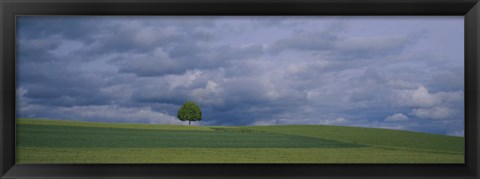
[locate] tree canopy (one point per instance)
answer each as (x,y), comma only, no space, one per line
(189,111)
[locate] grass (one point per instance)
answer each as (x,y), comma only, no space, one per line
(57,141)
(86,137)
(374,137)
(34,121)
(230,155)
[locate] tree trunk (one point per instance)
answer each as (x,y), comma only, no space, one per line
(189,122)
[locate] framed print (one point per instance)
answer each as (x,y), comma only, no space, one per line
(284,89)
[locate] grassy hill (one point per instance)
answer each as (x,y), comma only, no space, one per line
(395,139)
(57,141)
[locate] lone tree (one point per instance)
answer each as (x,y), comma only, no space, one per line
(189,112)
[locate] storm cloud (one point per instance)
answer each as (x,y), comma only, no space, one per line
(386,72)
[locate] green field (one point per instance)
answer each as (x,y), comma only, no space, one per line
(58,141)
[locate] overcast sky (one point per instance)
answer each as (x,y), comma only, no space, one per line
(386,72)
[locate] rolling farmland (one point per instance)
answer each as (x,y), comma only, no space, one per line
(59,141)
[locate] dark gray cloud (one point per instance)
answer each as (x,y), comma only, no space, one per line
(182,58)
(359,71)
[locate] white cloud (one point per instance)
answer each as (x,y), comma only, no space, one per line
(116,113)
(265,122)
(422,98)
(286,121)
(150,35)
(393,126)
(457,133)
(120,91)
(439,112)
(148,64)
(416,98)
(20,92)
(67,47)
(396,117)
(211,94)
(183,80)
(402,84)
(451,97)
(336,121)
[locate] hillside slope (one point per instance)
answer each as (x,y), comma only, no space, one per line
(59,141)
(374,137)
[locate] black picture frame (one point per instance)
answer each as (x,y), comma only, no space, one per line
(9,9)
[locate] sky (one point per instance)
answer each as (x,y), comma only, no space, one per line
(394,72)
